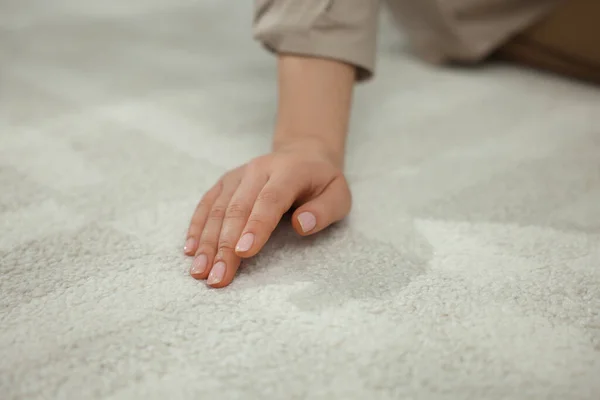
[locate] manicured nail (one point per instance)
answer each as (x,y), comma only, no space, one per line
(199,264)
(245,242)
(189,245)
(307,221)
(217,273)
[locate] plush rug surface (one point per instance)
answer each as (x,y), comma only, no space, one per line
(469,268)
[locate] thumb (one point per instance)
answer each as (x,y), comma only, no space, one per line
(330,206)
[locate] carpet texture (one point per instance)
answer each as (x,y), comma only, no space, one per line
(468,269)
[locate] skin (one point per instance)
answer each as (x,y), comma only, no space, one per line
(304,172)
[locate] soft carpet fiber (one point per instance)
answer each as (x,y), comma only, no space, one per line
(469,268)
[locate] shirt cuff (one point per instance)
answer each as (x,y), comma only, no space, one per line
(342,30)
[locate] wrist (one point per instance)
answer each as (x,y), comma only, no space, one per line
(311,144)
(315,96)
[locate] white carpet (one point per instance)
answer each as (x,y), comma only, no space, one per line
(469,268)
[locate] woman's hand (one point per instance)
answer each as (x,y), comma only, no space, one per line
(236,217)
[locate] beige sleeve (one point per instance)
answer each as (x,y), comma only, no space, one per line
(343,30)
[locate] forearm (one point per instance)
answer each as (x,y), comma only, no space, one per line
(315,96)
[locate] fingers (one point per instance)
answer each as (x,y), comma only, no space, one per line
(330,206)
(199,219)
(274,200)
(237,216)
(226,262)
(209,238)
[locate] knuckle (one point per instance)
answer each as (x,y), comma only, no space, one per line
(255,170)
(262,222)
(207,243)
(226,245)
(258,162)
(253,167)
(236,211)
(194,230)
(232,178)
(269,196)
(217,212)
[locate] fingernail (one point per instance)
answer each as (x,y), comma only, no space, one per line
(307,221)
(189,245)
(217,273)
(245,242)
(199,264)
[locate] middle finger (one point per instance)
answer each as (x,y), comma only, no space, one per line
(227,261)
(209,239)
